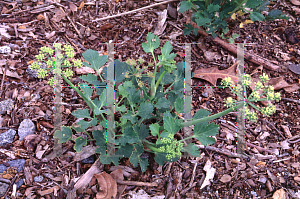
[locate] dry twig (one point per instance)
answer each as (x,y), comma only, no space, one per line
(133,11)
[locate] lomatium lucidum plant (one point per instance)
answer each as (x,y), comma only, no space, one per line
(148,100)
(261,92)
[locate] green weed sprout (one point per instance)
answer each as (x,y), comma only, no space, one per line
(261,92)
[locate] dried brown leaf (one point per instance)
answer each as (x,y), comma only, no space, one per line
(73,7)
(107,186)
(295,2)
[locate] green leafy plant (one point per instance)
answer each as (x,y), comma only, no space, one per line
(213,15)
(148,103)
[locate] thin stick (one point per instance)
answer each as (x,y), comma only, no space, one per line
(74,27)
(224,152)
(272,127)
(4,73)
(133,11)
(148,184)
(291,100)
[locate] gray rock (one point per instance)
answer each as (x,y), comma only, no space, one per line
(26,127)
(7,137)
(3,188)
(205,95)
(20,183)
(89,160)
(6,105)
(38,178)
(19,164)
(34,73)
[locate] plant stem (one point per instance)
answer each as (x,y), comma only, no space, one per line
(212,117)
(153,88)
(149,145)
(159,79)
(89,103)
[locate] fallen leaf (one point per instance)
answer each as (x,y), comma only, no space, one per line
(295,2)
(213,74)
(118,175)
(287,131)
(210,173)
(107,26)
(296,10)
(40,17)
(279,194)
(280,83)
(59,15)
(73,7)
(84,70)
(181,54)
(49,35)
(161,24)
(225,178)
(107,186)
(81,5)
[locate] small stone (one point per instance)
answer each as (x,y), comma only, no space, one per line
(6,105)
(7,137)
(3,188)
(205,95)
(34,73)
(38,178)
(89,160)
(26,127)
(20,183)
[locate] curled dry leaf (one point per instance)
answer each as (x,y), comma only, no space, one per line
(279,194)
(210,173)
(107,186)
(295,2)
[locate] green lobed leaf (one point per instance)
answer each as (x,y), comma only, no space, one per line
(94,59)
(169,124)
(179,105)
(145,109)
(81,113)
(162,103)
(139,147)
(142,131)
(160,158)
(192,150)
(202,133)
(64,135)
(253,4)
(79,143)
(107,159)
(130,116)
(213,8)
(134,95)
(256,16)
(101,150)
(185,6)
(129,136)
(188,29)
(87,90)
(126,150)
(202,21)
(152,43)
(85,124)
(99,136)
(154,128)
